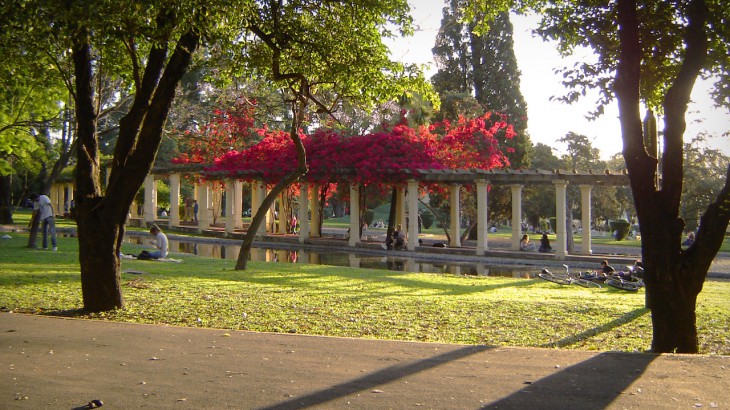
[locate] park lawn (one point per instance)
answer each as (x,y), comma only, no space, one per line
(350,302)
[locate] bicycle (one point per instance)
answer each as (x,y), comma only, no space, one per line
(627,282)
(567,278)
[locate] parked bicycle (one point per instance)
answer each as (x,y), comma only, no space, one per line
(567,278)
(625,280)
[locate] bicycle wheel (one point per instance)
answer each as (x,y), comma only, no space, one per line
(623,285)
(587,283)
(560,280)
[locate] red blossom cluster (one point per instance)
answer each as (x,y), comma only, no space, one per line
(373,159)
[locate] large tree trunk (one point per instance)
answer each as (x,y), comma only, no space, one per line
(101,267)
(101,218)
(673,276)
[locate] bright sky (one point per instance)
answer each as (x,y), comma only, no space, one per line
(548,120)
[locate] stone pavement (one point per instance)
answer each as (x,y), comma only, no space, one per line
(61,363)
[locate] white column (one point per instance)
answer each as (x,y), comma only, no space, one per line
(259,189)
(237,204)
(230,205)
(174,200)
(455,228)
(203,199)
(315,228)
(150,198)
(412,215)
(400,209)
(70,195)
(282,213)
(482,217)
(53,196)
(516,216)
(354,215)
(585,204)
(303,212)
(561,250)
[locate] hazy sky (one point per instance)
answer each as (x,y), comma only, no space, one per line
(551,120)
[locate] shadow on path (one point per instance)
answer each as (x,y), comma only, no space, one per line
(372,380)
(592,384)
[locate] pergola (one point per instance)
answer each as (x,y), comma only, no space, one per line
(407,200)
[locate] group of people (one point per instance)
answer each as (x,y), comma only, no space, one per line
(527,246)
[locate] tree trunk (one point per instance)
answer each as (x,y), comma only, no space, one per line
(673,276)
(673,303)
(6,206)
(260,215)
(100,266)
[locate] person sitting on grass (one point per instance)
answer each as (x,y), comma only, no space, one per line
(526,245)
(160,243)
(606,268)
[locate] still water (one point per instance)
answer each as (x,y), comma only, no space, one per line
(344,258)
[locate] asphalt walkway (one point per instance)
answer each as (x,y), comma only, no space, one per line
(66,363)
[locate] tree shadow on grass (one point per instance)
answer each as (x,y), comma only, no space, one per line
(620,321)
(592,384)
(372,380)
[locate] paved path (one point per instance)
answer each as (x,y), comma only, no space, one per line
(65,363)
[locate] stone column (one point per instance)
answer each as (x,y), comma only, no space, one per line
(203,205)
(482,217)
(174,200)
(230,206)
(315,228)
(354,215)
(150,199)
(561,250)
(237,204)
(70,195)
(303,212)
(516,216)
(412,215)
(259,194)
(455,228)
(283,212)
(400,207)
(585,204)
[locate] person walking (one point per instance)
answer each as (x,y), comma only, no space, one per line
(44,208)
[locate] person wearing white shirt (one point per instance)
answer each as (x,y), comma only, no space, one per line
(42,205)
(160,243)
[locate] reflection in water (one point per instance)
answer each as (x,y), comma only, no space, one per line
(230,252)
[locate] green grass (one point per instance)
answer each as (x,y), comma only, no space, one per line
(337,301)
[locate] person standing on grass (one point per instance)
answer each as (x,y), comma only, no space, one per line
(160,243)
(43,207)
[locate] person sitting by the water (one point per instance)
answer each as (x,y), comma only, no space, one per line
(545,244)
(160,243)
(526,245)
(399,237)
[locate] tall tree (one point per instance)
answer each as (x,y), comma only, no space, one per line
(149,47)
(652,52)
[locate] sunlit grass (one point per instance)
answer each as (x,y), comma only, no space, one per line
(339,301)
